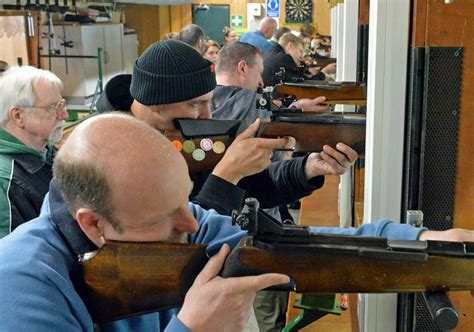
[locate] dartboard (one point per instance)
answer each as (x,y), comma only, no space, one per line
(299,11)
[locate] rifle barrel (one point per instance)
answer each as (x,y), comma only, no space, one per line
(347,93)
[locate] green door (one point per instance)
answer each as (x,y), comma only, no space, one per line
(213,19)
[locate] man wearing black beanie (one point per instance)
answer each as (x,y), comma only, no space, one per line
(172,80)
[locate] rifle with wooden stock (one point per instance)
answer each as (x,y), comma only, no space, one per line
(129,278)
(348,93)
(204,142)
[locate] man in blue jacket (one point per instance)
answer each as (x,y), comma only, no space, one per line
(106,187)
(260,37)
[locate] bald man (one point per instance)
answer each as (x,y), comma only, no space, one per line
(106,187)
(259,38)
(193,35)
(131,201)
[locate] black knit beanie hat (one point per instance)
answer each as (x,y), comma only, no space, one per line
(116,95)
(169,72)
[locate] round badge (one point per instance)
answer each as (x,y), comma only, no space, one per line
(178,145)
(206,144)
(188,146)
(199,155)
(218,147)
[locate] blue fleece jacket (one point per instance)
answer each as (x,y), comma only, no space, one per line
(39,259)
(257,39)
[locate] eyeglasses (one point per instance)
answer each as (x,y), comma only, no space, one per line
(55,108)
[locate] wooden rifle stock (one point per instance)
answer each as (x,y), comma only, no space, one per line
(211,158)
(313,130)
(128,278)
(350,93)
(125,279)
(335,269)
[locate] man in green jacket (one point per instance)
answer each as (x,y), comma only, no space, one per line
(32,114)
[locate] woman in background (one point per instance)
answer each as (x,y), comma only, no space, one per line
(230,35)
(211,50)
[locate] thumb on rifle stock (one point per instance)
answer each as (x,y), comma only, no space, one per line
(250,131)
(213,266)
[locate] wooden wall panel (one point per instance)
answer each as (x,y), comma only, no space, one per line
(180,16)
(175,18)
(187,14)
(438,24)
(164,20)
(146,20)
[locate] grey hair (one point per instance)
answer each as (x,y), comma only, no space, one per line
(16,87)
(191,34)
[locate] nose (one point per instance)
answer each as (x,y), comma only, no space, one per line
(205,112)
(185,221)
(63,114)
(260,83)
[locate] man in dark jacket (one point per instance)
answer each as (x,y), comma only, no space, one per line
(172,80)
(288,54)
(32,115)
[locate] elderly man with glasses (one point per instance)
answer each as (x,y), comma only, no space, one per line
(32,115)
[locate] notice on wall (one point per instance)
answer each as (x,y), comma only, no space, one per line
(273,8)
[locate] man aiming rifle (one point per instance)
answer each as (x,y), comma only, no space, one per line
(116,178)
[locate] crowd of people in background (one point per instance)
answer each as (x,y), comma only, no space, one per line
(315,45)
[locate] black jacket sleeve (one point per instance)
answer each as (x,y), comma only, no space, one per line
(219,195)
(281,183)
(320,76)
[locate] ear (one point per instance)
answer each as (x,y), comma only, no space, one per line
(16,116)
(241,67)
(91,224)
(289,47)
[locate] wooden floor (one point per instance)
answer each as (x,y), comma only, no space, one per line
(320,209)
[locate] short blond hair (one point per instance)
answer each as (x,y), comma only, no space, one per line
(290,38)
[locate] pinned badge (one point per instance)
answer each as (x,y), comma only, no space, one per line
(188,146)
(218,147)
(199,155)
(206,144)
(178,145)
